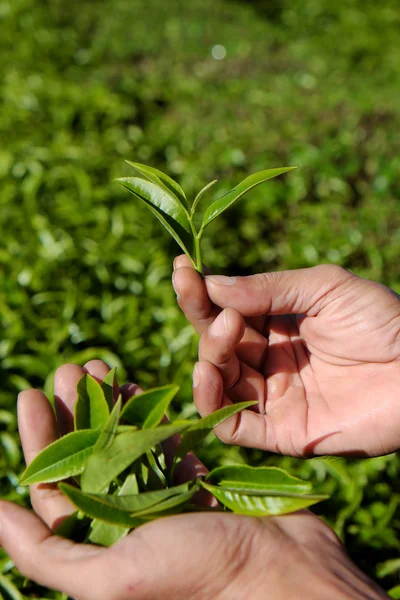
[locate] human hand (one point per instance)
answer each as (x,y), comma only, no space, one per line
(197,556)
(318,348)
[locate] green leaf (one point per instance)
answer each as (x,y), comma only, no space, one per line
(74,527)
(107,385)
(147,409)
(106,465)
(156,468)
(91,408)
(135,503)
(168,505)
(105,508)
(9,588)
(110,428)
(66,457)
(165,207)
(126,428)
(105,534)
(243,478)
(201,428)
(223,203)
(261,505)
(98,508)
(160,179)
(201,194)
(395,592)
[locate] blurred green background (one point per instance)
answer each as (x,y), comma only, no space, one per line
(203,89)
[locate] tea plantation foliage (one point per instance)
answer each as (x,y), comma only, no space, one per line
(85,271)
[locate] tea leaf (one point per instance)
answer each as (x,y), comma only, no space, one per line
(66,457)
(261,505)
(91,408)
(105,534)
(155,468)
(74,527)
(12,592)
(243,478)
(126,428)
(106,508)
(168,504)
(201,194)
(107,385)
(165,207)
(104,466)
(135,503)
(223,203)
(147,409)
(394,592)
(160,179)
(200,429)
(98,508)
(110,428)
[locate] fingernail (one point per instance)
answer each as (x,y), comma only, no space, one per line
(196,375)
(221,279)
(174,265)
(173,285)
(220,325)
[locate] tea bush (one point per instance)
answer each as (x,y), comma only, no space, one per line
(85,271)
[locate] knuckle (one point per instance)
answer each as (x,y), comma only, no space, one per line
(335,273)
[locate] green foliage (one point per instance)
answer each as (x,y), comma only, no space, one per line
(91,407)
(200,429)
(147,409)
(222,204)
(170,209)
(109,492)
(244,477)
(63,458)
(85,271)
(105,465)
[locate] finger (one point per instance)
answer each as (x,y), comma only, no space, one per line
(218,344)
(193,298)
(97,369)
(75,569)
(286,292)
(246,428)
(65,395)
(252,348)
(195,303)
(38,428)
(128,390)
(182,261)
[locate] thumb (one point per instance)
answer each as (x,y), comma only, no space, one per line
(50,560)
(284,292)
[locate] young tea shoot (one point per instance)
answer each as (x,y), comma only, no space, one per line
(167,201)
(115,460)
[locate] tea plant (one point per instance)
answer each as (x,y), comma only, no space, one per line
(117,470)
(167,201)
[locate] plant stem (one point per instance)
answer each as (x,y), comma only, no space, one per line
(197,248)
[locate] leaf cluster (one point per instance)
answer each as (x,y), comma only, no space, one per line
(114,470)
(167,201)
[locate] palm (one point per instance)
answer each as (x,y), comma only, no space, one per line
(335,394)
(326,377)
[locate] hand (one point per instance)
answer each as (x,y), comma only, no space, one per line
(318,348)
(201,556)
